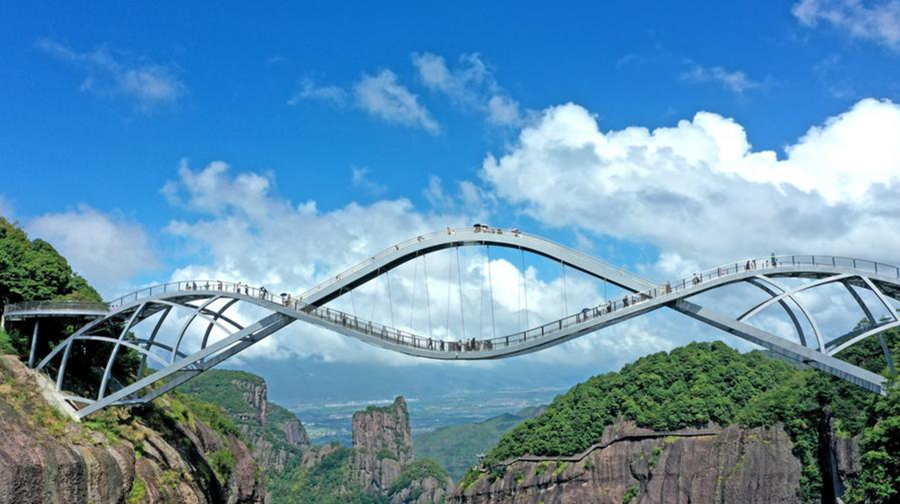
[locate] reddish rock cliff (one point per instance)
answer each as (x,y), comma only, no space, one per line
(731,465)
(111,458)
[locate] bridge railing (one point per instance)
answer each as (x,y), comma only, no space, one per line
(548,330)
(48,306)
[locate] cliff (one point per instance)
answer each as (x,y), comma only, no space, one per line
(641,466)
(277,437)
(383,445)
(149,455)
(379,468)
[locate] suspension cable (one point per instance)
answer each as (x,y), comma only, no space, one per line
(565,293)
(427,298)
(462,314)
(481,301)
(353,302)
(387,277)
(375,297)
(449,297)
(415,277)
(525,287)
(491,283)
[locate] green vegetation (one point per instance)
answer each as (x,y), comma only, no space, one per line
(417,471)
(329,482)
(138,491)
(692,386)
(222,462)
(560,467)
(879,480)
(217,398)
(710,382)
(630,494)
(457,447)
(34,270)
(6,344)
(221,387)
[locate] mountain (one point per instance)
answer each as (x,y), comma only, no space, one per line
(456,447)
(703,423)
(277,438)
(173,450)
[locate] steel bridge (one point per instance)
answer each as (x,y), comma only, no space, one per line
(208,302)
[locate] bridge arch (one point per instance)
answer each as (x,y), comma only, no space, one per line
(209,302)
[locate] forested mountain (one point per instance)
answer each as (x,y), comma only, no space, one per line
(711,386)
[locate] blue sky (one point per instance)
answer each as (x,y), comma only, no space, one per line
(348,126)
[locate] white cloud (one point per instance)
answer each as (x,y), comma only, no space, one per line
(737,81)
(879,21)
(360,179)
(148,85)
(503,110)
(471,84)
(382,96)
(700,190)
(250,235)
(106,249)
(307,89)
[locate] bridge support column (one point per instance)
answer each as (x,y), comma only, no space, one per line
(34,338)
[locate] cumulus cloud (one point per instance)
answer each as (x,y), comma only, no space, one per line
(471,83)
(250,235)
(147,84)
(106,249)
(877,21)
(381,95)
(699,189)
(288,247)
(735,81)
(307,89)
(360,179)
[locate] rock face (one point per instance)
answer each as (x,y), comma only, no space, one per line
(45,458)
(257,395)
(428,490)
(383,444)
(380,463)
(296,433)
(278,439)
(731,465)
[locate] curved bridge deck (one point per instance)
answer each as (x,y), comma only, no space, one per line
(643,296)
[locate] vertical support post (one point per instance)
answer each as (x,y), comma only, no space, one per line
(34,338)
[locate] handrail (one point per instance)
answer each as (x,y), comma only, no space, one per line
(546,331)
(26,306)
(398,336)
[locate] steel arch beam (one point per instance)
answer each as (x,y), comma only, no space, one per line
(793,316)
(790,294)
(133,308)
(254,333)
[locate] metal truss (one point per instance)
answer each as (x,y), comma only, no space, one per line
(208,302)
